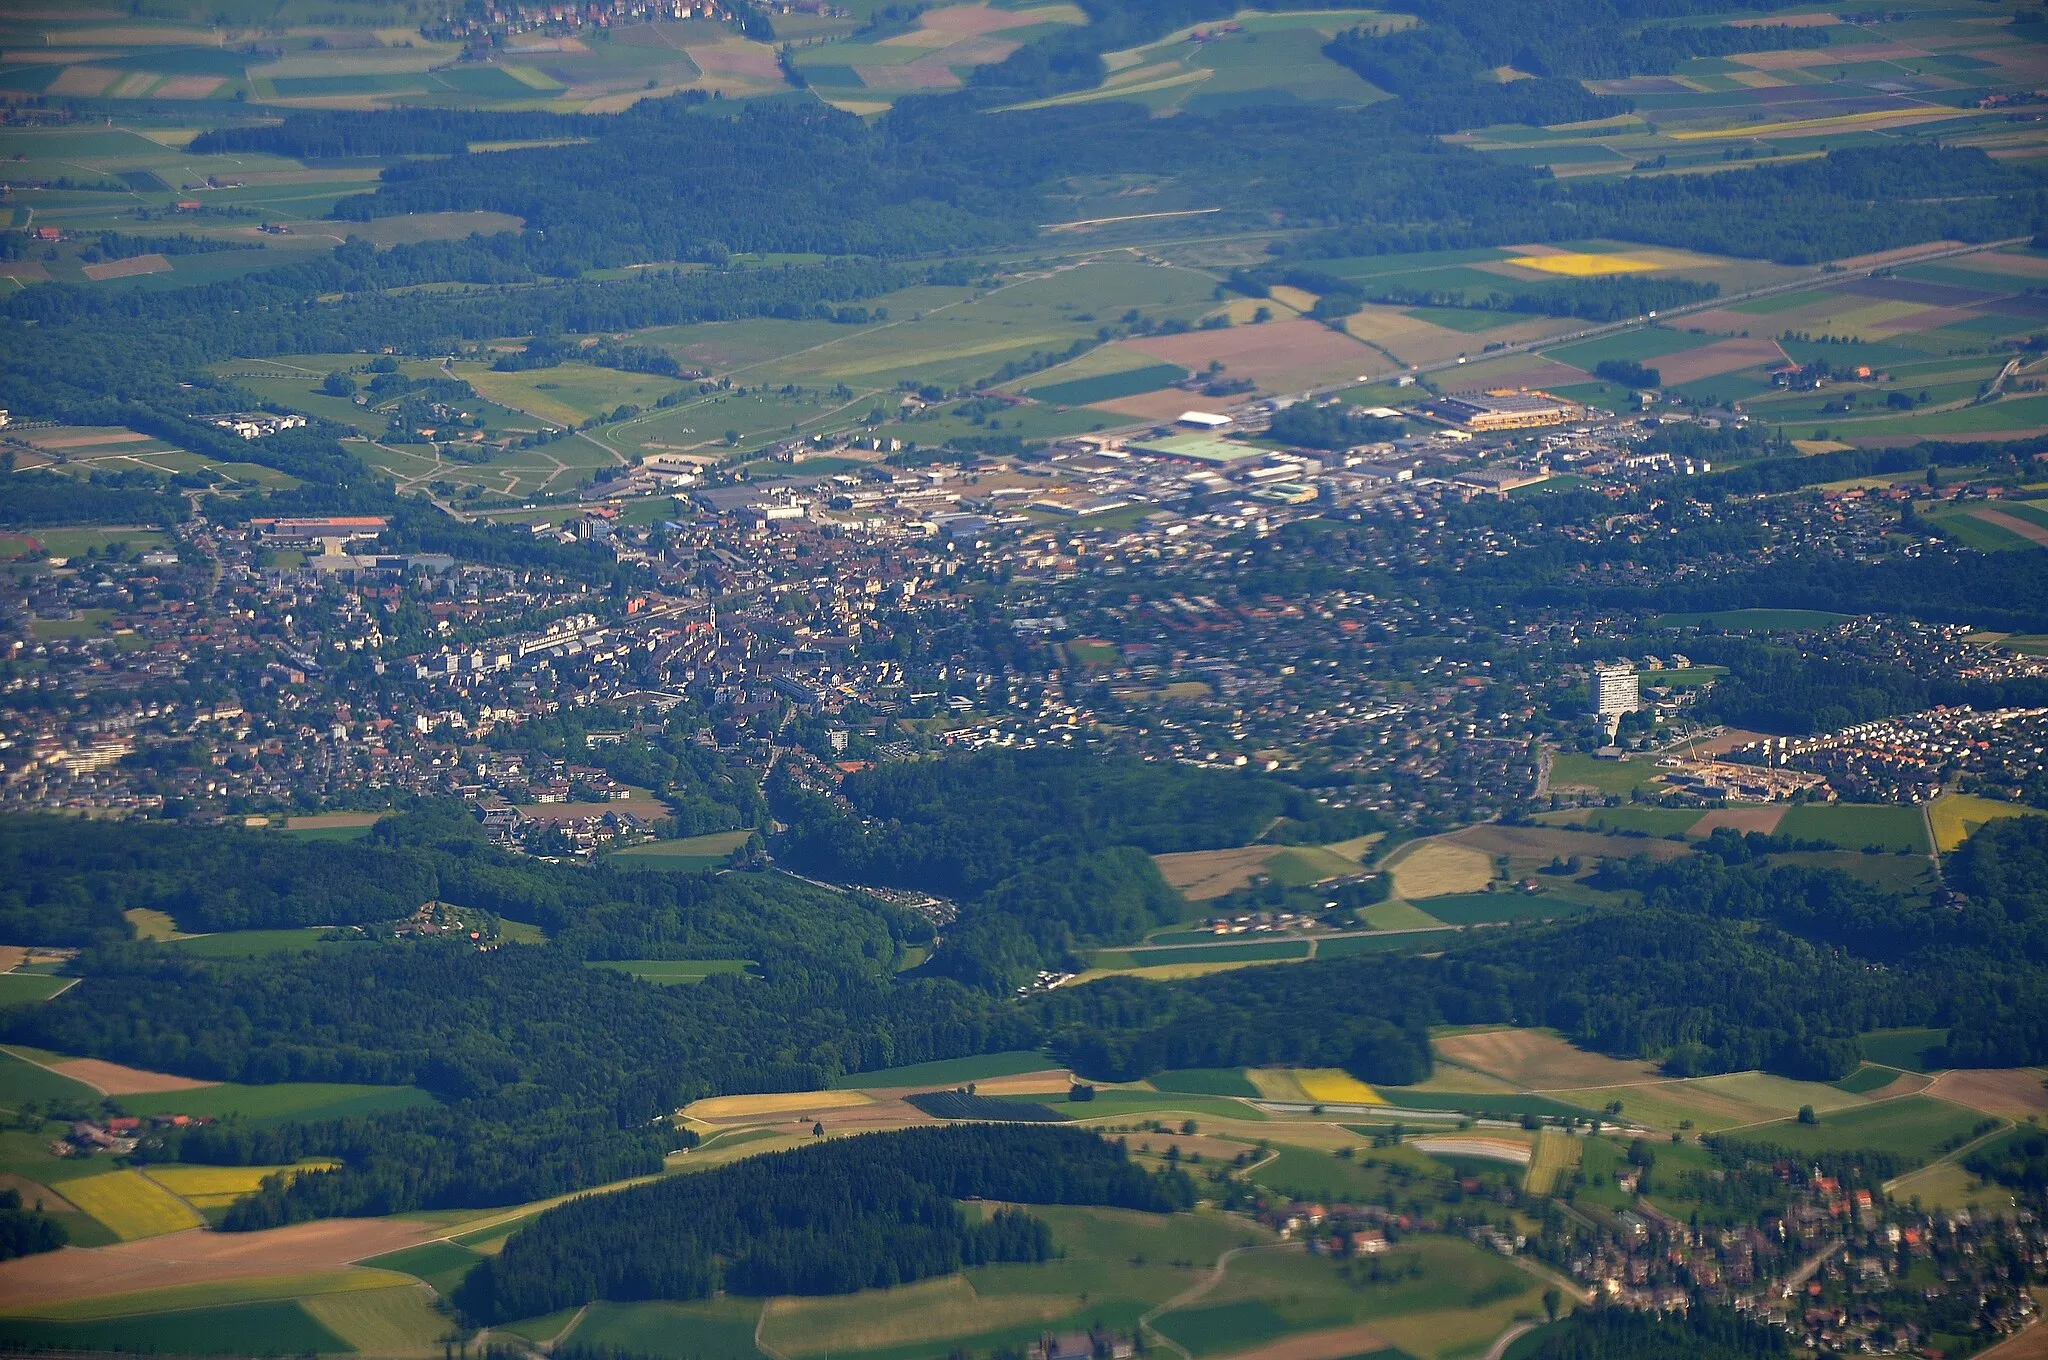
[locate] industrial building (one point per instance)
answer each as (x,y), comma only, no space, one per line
(1502,409)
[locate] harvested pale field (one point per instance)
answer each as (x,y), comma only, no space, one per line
(1461,1081)
(196,1256)
(1743,819)
(1711,361)
(1278,1083)
(24,271)
(780,1102)
(976,52)
(1211,1148)
(188,87)
(1927,319)
(2031,1344)
(87,439)
(1904,1084)
(882,1114)
(319,820)
(1335,1344)
(1721,321)
(1539,1061)
(1523,844)
(129,268)
(1199,875)
(1166,404)
(1294,353)
(116,1080)
(1555,1154)
(2012,524)
(1670,1104)
(750,60)
(911,1314)
(1990,262)
(1778,1093)
(32,1193)
(82,80)
(1468,1145)
(927,73)
(1026,1084)
(964,21)
(1521,370)
(1795,58)
(1787,21)
(49,56)
(11,956)
(2014,1093)
(1436,868)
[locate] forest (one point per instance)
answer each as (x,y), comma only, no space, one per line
(1047,851)
(69,882)
(1624,1334)
(865,1212)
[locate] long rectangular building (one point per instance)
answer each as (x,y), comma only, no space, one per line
(1502,409)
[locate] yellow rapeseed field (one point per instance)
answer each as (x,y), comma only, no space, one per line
(1584,266)
(1954,816)
(1333,1086)
(216,1187)
(130,1204)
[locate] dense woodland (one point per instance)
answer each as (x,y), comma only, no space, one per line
(1623,1334)
(1048,851)
(855,1213)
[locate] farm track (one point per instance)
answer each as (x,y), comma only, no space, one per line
(1201,1288)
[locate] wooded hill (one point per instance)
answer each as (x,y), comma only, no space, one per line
(866,1212)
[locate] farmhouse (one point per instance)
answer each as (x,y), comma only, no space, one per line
(1502,409)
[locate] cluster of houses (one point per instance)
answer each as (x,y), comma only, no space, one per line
(118,1134)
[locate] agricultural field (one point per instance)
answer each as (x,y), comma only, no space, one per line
(1910,1050)
(676,972)
(689,853)
(131,1205)
(1955,816)
(1460,1298)
(865,70)
(1856,84)
(216,1187)
(1856,825)
(1263,58)
(306,60)
(1574,770)
(1205,1081)
(244,944)
(952,1071)
(286,1101)
(1436,868)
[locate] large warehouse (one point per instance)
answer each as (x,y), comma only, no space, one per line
(1502,409)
